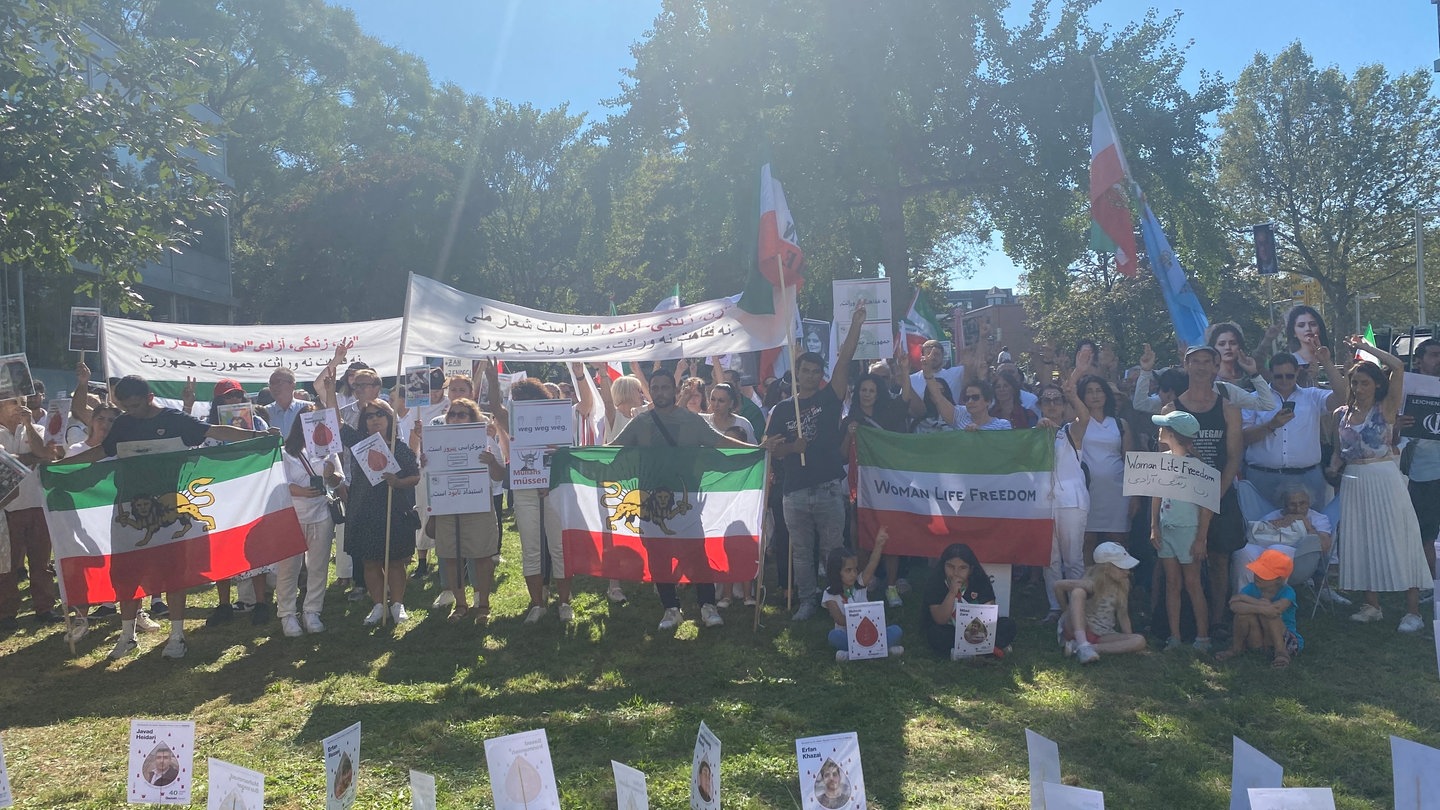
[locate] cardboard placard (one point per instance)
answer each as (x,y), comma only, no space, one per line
(542,423)
(831,776)
(84,329)
(1292,799)
(342,768)
(1044,757)
(1250,769)
(162,762)
(374,459)
(1067,797)
(422,790)
(1166,475)
(521,774)
(234,788)
(416,384)
(865,630)
(705,771)
(241,415)
(322,432)
(630,790)
(1416,769)
(975,629)
(15,379)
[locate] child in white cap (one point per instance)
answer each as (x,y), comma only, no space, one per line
(1095,614)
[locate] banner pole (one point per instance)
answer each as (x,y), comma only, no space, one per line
(790,347)
(394,435)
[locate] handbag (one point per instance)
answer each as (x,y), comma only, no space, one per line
(334,505)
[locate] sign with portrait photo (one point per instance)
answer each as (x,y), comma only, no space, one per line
(815,338)
(975,629)
(241,415)
(84,329)
(705,771)
(162,761)
(830,774)
(417,386)
(342,768)
(15,379)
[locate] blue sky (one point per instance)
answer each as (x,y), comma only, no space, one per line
(551,52)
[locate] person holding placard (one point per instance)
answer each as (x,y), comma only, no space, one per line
(872,406)
(1424,471)
(1178,530)
(308,479)
(366,519)
(1096,609)
(25,519)
(473,539)
(848,585)
(1380,536)
(958,576)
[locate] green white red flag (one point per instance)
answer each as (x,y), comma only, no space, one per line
(988,489)
(167,522)
(918,326)
(779,245)
(659,514)
(1112,228)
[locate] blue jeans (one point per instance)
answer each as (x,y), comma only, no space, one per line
(815,517)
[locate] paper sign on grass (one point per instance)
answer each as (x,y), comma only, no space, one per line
(422,790)
(234,788)
(1292,799)
(162,761)
(1044,766)
(705,771)
(322,432)
(1416,769)
(1251,769)
(521,774)
(1068,797)
(84,329)
(1165,475)
(630,790)
(830,773)
(373,457)
(975,629)
(542,423)
(865,630)
(342,768)
(7,799)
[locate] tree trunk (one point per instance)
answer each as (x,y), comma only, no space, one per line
(892,245)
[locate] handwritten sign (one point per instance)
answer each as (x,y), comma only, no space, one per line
(1164,475)
(446,322)
(542,423)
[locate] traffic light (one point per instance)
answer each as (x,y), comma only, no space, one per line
(1265,259)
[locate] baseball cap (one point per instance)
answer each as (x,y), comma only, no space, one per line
(227,386)
(1272,564)
(1210,349)
(1115,554)
(1179,421)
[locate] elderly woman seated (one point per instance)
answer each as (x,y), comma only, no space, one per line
(1284,530)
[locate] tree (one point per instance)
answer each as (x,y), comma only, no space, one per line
(102,176)
(1341,163)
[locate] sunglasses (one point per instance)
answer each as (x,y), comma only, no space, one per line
(973,397)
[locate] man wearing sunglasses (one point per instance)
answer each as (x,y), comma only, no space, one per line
(1282,445)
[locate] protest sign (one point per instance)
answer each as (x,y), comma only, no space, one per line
(530,467)
(84,329)
(1166,475)
(15,379)
(12,471)
(1067,797)
(830,773)
(542,423)
(975,629)
(7,799)
(877,340)
(815,338)
(1292,799)
(162,761)
(457,366)
(446,322)
(521,774)
(865,630)
(373,457)
(1250,769)
(234,788)
(705,771)
(1422,401)
(1044,766)
(342,768)
(322,432)
(422,790)
(241,415)
(1416,769)
(417,386)
(630,790)
(458,482)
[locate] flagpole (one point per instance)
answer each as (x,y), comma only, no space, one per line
(790,347)
(1114,131)
(394,436)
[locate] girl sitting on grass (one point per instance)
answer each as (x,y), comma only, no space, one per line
(847,585)
(1096,610)
(1178,529)
(959,577)
(1265,611)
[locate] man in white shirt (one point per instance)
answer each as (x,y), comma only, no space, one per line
(1282,444)
(282,412)
(932,356)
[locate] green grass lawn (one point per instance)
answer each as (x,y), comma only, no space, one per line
(1151,731)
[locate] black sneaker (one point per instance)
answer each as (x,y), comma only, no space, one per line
(421,569)
(158,609)
(101,611)
(243,607)
(220,615)
(49,617)
(261,613)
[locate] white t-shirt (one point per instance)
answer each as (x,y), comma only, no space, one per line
(857,594)
(953,377)
(740,422)
(30,495)
(307,509)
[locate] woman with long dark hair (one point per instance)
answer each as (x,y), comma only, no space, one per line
(1105,443)
(1304,333)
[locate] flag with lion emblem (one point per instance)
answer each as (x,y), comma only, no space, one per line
(166,522)
(659,514)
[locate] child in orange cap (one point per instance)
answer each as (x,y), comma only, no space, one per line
(1265,611)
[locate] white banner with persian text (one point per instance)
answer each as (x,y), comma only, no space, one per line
(444,322)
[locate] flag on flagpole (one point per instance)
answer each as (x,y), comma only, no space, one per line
(1112,228)
(1186,311)
(779,244)
(667,304)
(918,326)
(659,514)
(151,524)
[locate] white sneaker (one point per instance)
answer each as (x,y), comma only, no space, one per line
(842,655)
(723,603)
(1328,594)
(671,619)
(710,616)
(896,651)
(145,624)
(535,615)
(290,626)
(375,615)
(1087,654)
(313,623)
(175,648)
(445,599)
(123,647)
(1368,613)
(398,613)
(616,595)
(1411,623)
(567,613)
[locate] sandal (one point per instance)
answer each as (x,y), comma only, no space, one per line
(1280,661)
(482,616)
(1225,655)
(458,613)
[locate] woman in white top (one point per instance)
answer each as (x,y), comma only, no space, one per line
(724,404)
(1071,492)
(309,478)
(1103,451)
(975,415)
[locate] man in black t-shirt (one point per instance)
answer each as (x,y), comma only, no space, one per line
(808,450)
(146,427)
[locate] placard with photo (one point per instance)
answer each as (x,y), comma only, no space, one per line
(342,768)
(705,771)
(830,773)
(417,386)
(15,379)
(162,761)
(84,329)
(975,629)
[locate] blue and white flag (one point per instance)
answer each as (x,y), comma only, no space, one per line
(1186,311)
